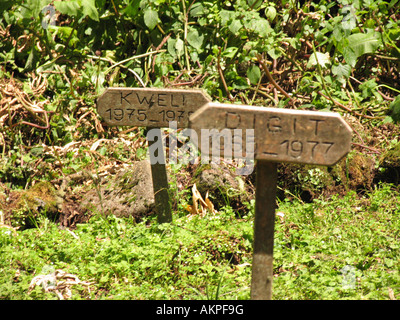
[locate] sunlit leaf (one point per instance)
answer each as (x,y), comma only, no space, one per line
(341,70)
(254,74)
(363,43)
(196,10)
(150,18)
(195,39)
(89,9)
(320,58)
(270,13)
(179,46)
(70,8)
(235,26)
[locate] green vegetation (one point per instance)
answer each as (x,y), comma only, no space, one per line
(337,229)
(316,245)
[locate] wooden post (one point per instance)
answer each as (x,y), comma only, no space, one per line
(152,108)
(280,135)
(262,269)
(160,184)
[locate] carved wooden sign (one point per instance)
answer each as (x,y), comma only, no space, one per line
(276,135)
(281,135)
(149,107)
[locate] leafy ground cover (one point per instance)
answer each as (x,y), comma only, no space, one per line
(344,248)
(337,230)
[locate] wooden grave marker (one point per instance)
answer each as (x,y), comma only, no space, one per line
(151,108)
(280,135)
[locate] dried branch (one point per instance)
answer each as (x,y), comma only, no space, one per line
(270,78)
(221,74)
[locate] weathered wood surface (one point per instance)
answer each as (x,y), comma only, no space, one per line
(149,107)
(280,135)
(264,225)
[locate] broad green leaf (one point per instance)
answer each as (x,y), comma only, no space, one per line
(350,56)
(235,26)
(254,4)
(196,10)
(89,9)
(254,74)
(392,3)
(320,58)
(195,39)
(230,52)
(226,16)
(70,8)
(349,21)
(362,43)
(150,18)
(30,62)
(368,88)
(259,25)
(341,70)
(294,42)
(35,6)
(65,34)
(274,53)
(171,43)
(98,79)
(47,66)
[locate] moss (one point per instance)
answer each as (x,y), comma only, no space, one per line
(314,179)
(305,181)
(355,171)
(389,165)
(128,193)
(391,158)
(42,196)
(24,207)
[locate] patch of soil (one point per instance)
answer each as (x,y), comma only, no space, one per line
(71,212)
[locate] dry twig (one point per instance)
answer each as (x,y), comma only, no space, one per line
(15,101)
(221,75)
(270,78)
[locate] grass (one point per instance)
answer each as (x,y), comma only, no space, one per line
(318,244)
(341,248)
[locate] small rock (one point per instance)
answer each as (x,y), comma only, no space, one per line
(128,193)
(223,186)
